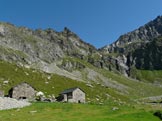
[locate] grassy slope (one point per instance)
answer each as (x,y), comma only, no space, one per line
(151,76)
(135,89)
(56,83)
(78,112)
(71,112)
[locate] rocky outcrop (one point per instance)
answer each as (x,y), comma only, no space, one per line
(41,45)
(45,50)
(68,41)
(149,56)
(9,103)
(140,48)
(50,51)
(71,65)
(143,34)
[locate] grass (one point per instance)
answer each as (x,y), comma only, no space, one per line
(150,76)
(50,83)
(128,110)
(56,84)
(78,112)
(136,88)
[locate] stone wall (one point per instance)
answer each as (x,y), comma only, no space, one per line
(78,96)
(1,93)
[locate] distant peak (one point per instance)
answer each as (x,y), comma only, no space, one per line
(159,17)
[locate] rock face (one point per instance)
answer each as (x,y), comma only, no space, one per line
(149,56)
(42,49)
(63,52)
(27,46)
(137,37)
(140,48)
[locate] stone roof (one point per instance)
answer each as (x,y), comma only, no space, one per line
(70,90)
(22,84)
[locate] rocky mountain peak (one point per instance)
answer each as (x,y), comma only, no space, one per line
(48,49)
(41,45)
(143,34)
(139,49)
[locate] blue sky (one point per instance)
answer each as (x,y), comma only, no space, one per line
(98,22)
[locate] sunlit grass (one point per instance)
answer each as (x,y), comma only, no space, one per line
(79,112)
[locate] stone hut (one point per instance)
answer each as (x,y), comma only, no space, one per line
(73,95)
(22,91)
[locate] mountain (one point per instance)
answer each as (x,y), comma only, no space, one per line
(140,48)
(142,35)
(149,55)
(64,60)
(61,53)
(46,50)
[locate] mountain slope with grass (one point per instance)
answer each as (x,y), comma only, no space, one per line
(121,81)
(52,61)
(138,51)
(118,88)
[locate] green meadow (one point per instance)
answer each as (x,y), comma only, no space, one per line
(103,103)
(79,112)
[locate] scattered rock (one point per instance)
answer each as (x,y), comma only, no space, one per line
(9,103)
(89,85)
(5,82)
(49,77)
(46,82)
(32,112)
(27,66)
(39,93)
(97,99)
(115,108)
(27,74)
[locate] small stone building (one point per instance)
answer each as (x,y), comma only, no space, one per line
(22,91)
(73,95)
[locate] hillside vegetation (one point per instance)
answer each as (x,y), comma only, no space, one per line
(95,92)
(120,80)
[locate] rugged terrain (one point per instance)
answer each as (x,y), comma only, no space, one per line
(139,49)
(9,103)
(52,61)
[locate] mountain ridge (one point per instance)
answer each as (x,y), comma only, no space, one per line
(126,47)
(66,57)
(149,31)
(50,51)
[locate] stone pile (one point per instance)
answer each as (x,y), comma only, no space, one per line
(9,103)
